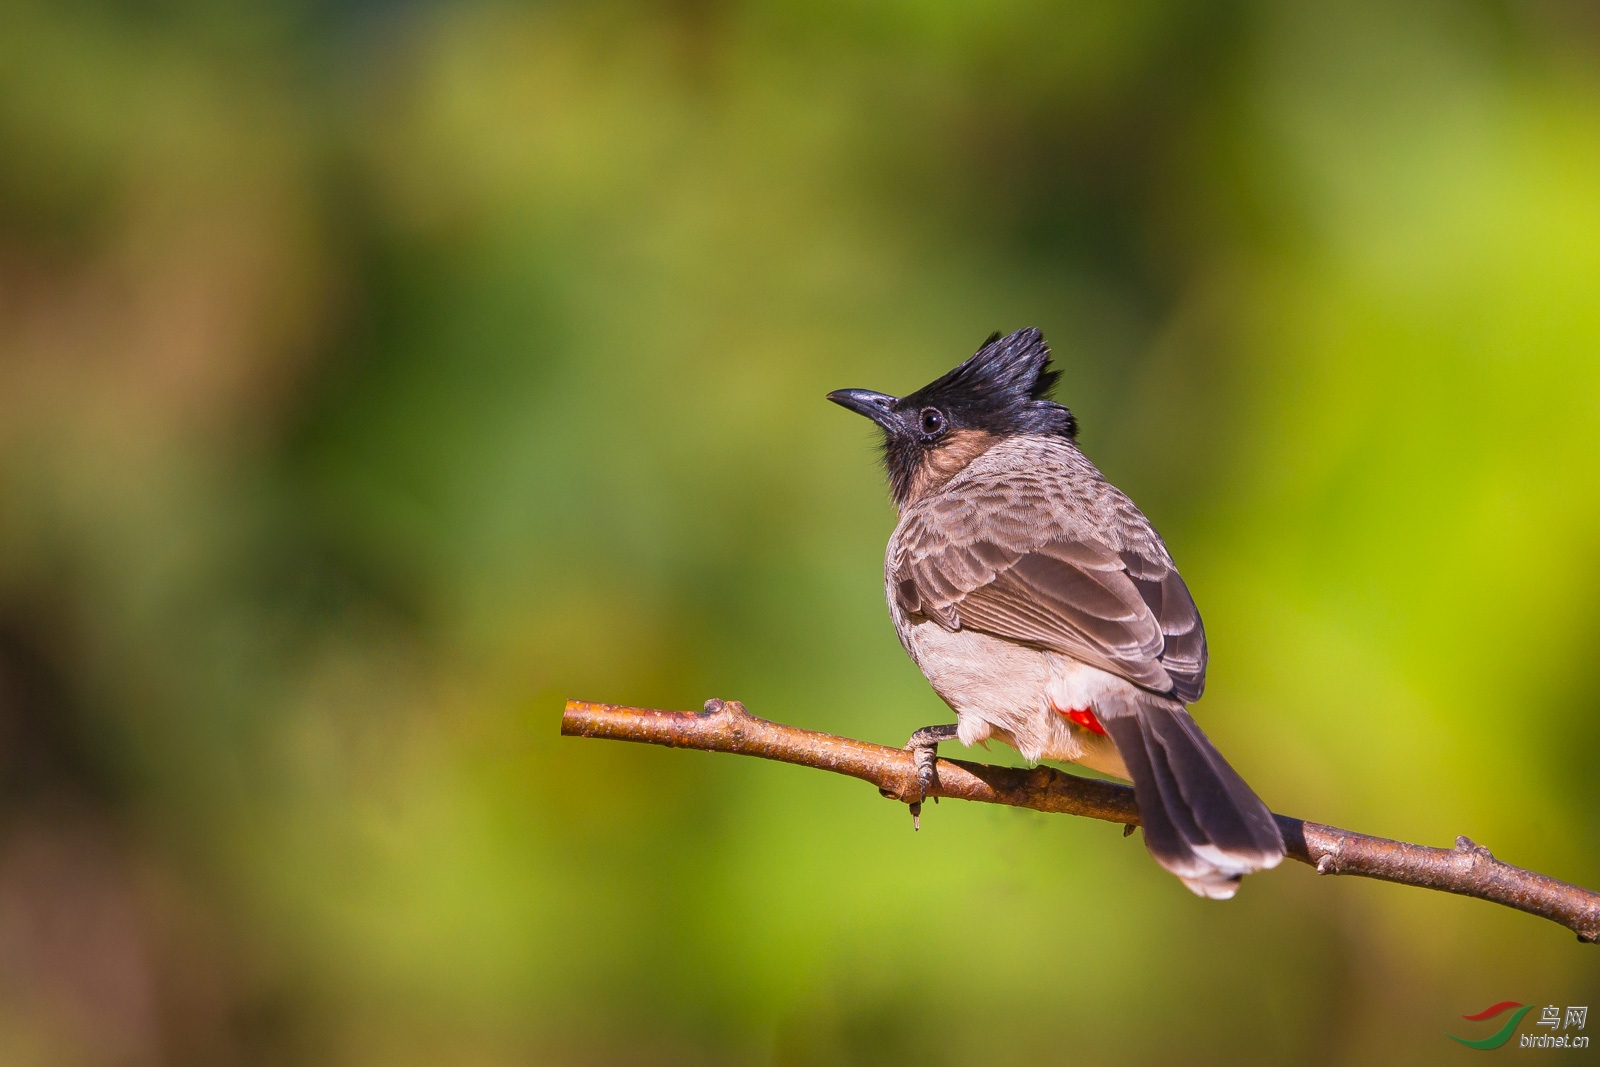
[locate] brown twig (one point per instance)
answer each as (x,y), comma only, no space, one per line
(1468,869)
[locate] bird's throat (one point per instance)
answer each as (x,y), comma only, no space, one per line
(946,459)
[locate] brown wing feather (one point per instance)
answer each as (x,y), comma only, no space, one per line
(985,560)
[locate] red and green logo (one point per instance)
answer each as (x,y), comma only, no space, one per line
(1500,1036)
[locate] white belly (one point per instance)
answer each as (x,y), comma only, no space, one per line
(1001,689)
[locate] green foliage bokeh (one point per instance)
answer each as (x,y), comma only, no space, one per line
(374,376)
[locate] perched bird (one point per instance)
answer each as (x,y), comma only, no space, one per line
(1044,608)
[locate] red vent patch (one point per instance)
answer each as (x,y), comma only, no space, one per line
(1085,718)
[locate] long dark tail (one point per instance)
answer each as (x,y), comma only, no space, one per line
(1201,821)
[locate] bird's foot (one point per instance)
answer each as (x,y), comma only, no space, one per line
(924,747)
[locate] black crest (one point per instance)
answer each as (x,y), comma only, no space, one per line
(1002,388)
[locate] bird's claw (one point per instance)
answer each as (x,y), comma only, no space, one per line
(924,749)
(926,758)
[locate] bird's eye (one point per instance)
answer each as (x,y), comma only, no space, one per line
(932,422)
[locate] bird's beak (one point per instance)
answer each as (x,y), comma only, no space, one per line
(879,407)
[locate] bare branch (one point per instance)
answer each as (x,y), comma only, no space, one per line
(1468,869)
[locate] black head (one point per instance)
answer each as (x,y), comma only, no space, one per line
(937,430)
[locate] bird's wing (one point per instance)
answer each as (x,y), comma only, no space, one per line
(1006,560)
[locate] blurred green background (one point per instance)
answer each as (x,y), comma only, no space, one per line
(375,375)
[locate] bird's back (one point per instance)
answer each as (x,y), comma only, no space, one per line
(1030,543)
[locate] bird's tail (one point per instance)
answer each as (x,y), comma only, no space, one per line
(1201,821)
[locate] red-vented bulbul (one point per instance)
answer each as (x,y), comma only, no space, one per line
(1045,610)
